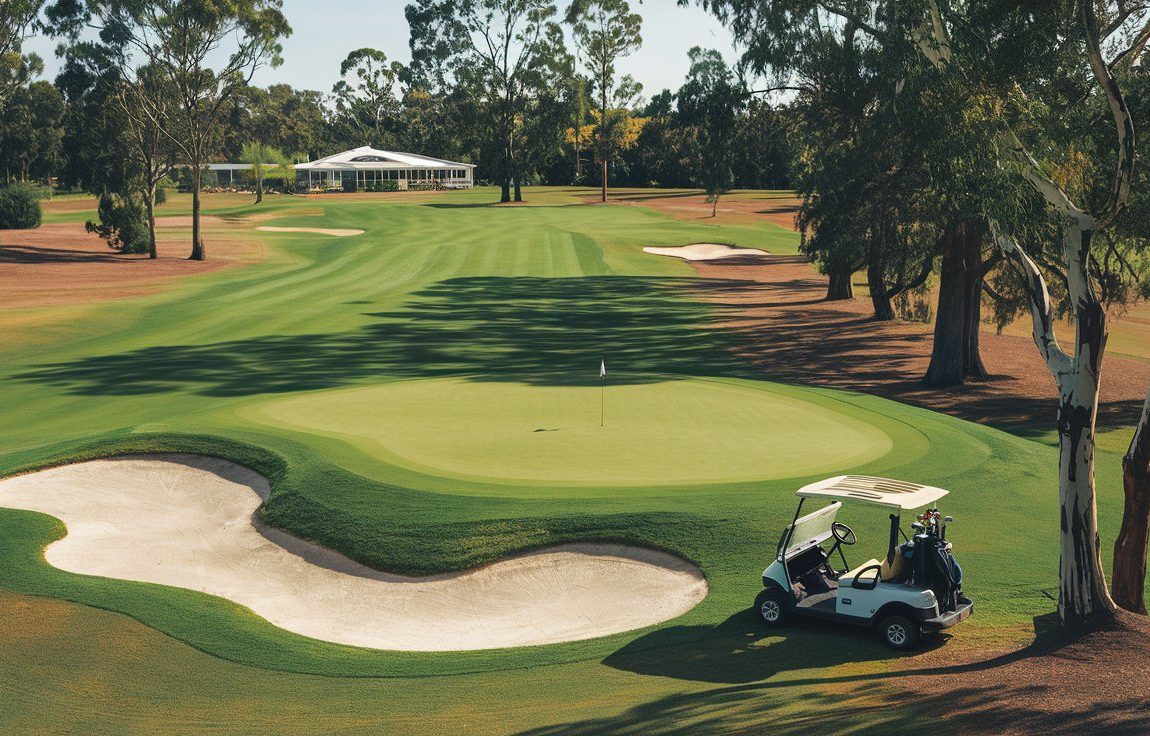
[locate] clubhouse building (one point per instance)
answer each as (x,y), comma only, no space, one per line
(368,168)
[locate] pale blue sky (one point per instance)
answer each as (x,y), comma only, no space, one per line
(326,30)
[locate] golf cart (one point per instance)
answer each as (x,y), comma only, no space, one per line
(915,589)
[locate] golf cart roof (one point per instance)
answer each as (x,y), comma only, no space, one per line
(897,494)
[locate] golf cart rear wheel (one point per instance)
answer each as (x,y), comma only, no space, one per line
(899,632)
(771,608)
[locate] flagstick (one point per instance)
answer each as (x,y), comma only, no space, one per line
(602,401)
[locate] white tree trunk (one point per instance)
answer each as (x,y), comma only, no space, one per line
(1082,582)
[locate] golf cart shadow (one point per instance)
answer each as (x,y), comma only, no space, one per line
(742,650)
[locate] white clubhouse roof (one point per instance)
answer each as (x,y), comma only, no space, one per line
(367,157)
(897,494)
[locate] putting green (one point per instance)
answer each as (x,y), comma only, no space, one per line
(661,433)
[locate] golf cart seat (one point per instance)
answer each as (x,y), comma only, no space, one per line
(893,571)
(848,578)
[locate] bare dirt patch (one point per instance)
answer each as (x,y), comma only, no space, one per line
(60,264)
(185,221)
(792,335)
(779,208)
(1092,683)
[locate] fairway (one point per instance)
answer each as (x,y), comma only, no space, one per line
(661,432)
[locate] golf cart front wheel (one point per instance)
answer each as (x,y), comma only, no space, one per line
(771,607)
(899,632)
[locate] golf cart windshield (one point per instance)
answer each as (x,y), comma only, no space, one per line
(812,529)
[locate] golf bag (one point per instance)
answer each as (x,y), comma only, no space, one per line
(935,568)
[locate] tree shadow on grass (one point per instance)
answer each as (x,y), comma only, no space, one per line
(34,254)
(541,331)
(1054,687)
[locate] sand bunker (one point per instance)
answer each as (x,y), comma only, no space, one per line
(707,252)
(317,230)
(187,521)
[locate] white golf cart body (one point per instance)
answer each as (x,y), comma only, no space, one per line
(859,595)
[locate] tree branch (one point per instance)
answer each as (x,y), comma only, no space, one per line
(1041,307)
(1045,186)
(1123,121)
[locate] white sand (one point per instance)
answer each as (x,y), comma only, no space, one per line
(187,521)
(707,252)
(317,230)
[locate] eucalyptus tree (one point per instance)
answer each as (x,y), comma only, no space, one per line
(430,122)
(606,31)
(544,125)
(505,57)
(366,105)
(148,142)
(709,104)
(177,43)
(578,122)
(966,186)
(1090,47)
(867,201)
(1037,68)
(31,131)
(17,19)
(765,145)
(288,119)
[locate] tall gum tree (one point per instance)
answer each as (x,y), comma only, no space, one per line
(606,31)
(868,198)
(709,103)
(1084,596)
(365,100)
(145,108)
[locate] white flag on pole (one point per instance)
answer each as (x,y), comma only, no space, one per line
(602,368)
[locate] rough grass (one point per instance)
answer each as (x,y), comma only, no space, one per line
(453,288)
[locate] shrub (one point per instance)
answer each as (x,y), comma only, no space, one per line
(42,191)
(161,196)
(19,207)
(389,185)
(123,223)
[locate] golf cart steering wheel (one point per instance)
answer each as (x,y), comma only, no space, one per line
(843,534)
